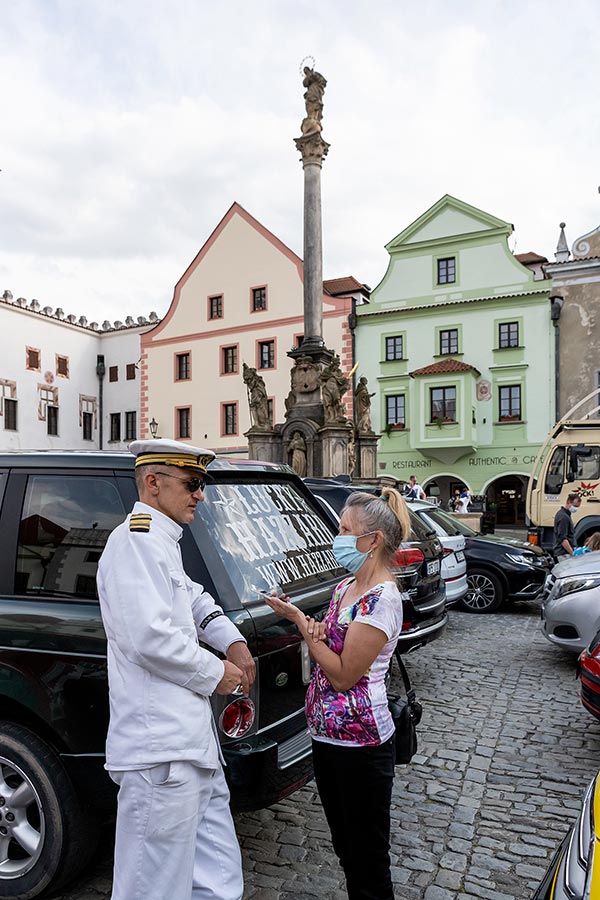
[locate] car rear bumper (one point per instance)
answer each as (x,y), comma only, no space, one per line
(419,635)
(456,588)
(262,772)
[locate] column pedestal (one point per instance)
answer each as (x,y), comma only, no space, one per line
(367,454)
(264,445)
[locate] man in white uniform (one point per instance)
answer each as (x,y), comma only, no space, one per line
(175,838)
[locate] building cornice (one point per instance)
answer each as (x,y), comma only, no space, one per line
(445,303)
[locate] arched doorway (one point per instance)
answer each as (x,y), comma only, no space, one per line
(506,495)
(439,488)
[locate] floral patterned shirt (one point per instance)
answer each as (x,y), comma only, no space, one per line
(358,717)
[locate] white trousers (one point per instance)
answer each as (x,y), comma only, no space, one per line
(175,838)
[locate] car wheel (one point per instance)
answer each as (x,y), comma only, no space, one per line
(44,836)
(484,594)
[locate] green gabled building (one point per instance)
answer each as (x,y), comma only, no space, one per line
(458,343)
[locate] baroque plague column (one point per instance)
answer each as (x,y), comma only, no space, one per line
(316,438)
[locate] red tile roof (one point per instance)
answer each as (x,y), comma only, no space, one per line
(445,365)
(530,257)
(346,285)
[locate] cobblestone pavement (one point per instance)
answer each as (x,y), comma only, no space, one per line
(505,752)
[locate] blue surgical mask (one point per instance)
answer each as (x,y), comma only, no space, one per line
(573,509)
(345,552)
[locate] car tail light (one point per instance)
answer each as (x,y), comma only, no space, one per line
(411,557)
(448,551)
(237,718)
(406,626)
(533,539)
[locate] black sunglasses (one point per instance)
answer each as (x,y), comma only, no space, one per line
(193,484)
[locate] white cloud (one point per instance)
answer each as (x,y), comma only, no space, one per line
(129,129)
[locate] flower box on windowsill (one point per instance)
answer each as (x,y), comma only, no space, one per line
(504,419)
(397,426)
(446,420)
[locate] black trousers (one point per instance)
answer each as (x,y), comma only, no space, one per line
(355,785)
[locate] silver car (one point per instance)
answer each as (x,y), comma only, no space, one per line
(571,605)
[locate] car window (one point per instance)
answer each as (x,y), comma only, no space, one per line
(65,523)
(2,486)
(268,535)
(420,530)
(449,523)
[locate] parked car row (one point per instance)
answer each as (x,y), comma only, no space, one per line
(260,527)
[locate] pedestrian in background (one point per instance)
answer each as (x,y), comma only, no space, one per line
(415,491)
(346,702)
(175,838)
(564,531)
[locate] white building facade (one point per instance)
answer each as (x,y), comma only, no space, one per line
(66,384)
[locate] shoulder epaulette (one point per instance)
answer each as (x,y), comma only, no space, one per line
(140,522)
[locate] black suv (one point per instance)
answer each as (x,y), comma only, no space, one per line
(498,568)
(417,567)
(259,527)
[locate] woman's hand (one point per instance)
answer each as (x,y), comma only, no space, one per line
(284,608)
(316,630)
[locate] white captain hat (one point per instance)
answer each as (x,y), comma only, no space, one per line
(171,453)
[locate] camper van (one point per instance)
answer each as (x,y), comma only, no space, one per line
(568,461)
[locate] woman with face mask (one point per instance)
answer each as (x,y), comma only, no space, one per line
(346,701)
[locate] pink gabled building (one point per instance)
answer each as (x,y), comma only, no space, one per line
(240,300)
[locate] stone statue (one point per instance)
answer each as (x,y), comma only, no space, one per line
(363,406)
(351,451)
(257,398)
(334,385)
(297,447)
(290,402)
(315,88)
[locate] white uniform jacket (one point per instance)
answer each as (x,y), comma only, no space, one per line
(160,679)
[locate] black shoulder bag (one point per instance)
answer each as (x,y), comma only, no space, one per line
(406,715)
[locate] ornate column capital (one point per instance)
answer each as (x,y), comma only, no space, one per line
(312,148)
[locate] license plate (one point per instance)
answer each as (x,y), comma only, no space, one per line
(433,567)
(460,556)
(305,662)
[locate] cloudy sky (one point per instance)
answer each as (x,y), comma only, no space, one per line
(128,127)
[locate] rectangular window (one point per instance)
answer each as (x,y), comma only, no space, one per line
(510,402)
(259,299)
(215,307)
(229,360)
(130,425)
(393,347)
(443,404)
(449,341)
(182,366)
(113,373)
(33,359)
(64,526)
(52,419)
(446,270)
(230,418)
(130,370)
(184,422)
(115,426)
(62,366)
(508,335)
(266,354)
(298,341)
(87,420)
(395,409)
(10,414)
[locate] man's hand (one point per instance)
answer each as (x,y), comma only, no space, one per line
(239,655)
(232,678)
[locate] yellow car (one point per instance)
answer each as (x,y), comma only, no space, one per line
(575,870)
